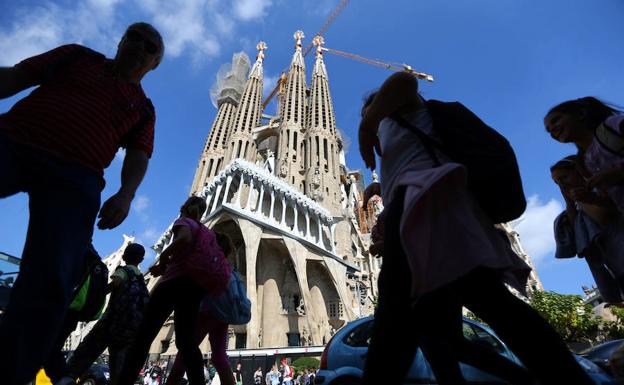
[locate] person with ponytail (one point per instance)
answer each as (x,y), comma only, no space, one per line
(597,130)
(180,290)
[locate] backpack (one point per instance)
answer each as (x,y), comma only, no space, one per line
(493,173)
(90,295)
(127,306)
(208,268)
(232,306)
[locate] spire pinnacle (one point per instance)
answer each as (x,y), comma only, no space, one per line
(298,36)
(318,41)
(261,47)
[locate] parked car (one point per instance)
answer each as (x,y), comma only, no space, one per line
(600,354)
(97,374)
(342,362)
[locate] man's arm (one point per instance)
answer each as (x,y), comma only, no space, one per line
(115,283)
(116,208)
(14,80)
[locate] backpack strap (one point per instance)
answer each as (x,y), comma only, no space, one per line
(430,144)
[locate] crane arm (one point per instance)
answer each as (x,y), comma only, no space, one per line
(379,63)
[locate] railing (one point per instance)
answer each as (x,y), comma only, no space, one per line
(258,195)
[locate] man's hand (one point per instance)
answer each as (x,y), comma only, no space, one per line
(114,211)
(369,143)
(376,249)
(583,195)
(370,191)
(157,270)
(607,178)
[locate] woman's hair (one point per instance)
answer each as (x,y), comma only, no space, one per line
(225,243)
(367,100)
(567,163)
(195,207)
(597,111)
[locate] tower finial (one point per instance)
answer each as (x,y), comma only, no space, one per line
(318,41)
(261,47)
(298,36)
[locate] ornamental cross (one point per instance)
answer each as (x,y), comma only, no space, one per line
(318,41)
(298,36)
(261,46)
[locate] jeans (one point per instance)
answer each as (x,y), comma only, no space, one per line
(182,296)
(94,344)
(218,337)
(64,199)
(56,366)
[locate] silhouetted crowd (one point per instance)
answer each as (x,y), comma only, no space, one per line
(447,179)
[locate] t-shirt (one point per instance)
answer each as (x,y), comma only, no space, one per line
(123,275)
(83,112)
(402,148)
(598,159)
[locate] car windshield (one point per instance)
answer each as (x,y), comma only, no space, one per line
(360,335)
(479,335)
(9,266)
(604,350)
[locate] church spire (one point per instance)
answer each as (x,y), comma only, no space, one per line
(229,89)
(291,151)
(241,142)
(322,160)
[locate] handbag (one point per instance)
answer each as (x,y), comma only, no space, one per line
(232,306)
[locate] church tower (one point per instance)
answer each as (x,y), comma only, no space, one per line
(241,142)
(229,95)
(322,163)
(291,146)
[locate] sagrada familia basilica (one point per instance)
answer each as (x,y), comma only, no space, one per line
(280,187)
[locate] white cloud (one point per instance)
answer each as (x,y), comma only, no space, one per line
(185,25)
(536,227)
(150,235)
(269,83)
(250,9)
(30,33)
(140,204)
(189,27)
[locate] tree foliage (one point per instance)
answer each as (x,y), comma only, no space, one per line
(305,362)
(613,330)
(568,315)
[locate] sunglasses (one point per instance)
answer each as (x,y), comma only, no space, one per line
(149,46)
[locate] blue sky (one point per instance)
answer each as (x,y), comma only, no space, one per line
(507,60)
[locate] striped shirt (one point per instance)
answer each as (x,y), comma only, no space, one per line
(81,111)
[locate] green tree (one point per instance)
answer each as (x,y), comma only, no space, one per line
(305,362)
(567,315)
(613,330)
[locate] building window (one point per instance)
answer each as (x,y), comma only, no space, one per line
(241,340)
(335,309)
(294,339)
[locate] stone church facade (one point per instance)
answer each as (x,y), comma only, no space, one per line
(279,186)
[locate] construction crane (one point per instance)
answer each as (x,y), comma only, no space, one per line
(280,86)
(281,82)
(390,66)
(328,22)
